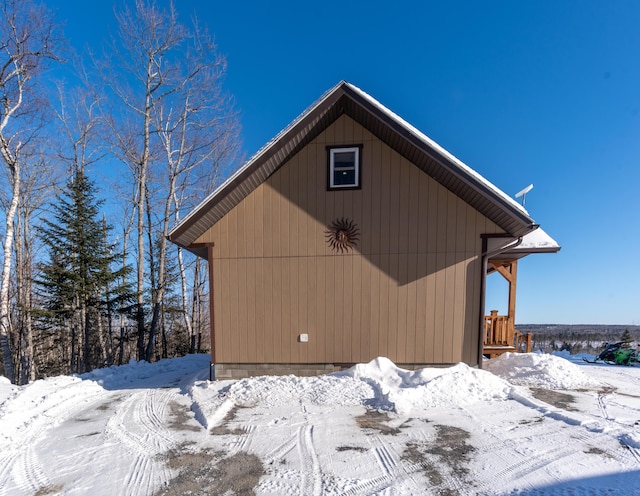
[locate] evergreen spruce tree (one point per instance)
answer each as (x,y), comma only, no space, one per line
(79,279)
(626,339)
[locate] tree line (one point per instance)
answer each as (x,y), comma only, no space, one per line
(82,285)
(580,338)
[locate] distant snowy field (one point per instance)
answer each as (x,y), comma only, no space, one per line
(530,424)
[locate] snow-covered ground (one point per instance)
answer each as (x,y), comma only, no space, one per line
(530,424)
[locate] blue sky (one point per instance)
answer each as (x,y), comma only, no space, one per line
(544,92)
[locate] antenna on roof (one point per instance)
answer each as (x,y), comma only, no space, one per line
(523,193)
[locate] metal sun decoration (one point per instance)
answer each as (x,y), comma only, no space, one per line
(342,235)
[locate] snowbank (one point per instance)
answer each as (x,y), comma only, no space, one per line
(321,390)
(379,385)
(7,390)
(150,374)
(539,370)
(402,390)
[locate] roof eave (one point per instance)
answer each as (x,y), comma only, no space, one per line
(387,126)
(288,142)
(521,223)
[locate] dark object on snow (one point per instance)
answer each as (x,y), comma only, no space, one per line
(615,354)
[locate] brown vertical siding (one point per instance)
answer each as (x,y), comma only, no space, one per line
(410,291)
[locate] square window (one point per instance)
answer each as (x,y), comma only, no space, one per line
(344,167)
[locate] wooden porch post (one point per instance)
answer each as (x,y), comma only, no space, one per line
(509,270)
(513,269)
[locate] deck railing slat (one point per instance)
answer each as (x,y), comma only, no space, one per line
(500,335)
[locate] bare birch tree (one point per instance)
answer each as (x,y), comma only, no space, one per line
(198,130)
(27,44)
(172,111)
(37,186)
(140,74)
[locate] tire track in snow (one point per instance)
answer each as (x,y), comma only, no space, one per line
(511,444)
(27,471)
(36,410)
(628,442)
(309,463)
(529,463)
(510,462)
(590,423)
(388,464)
(242,440)
(311,476)
(625,438)
(140,476)
(523,464)
(281,481)
(139,424)
(602,406)
(9,461)
(385,460)
(607,398)
(288,481)
(282,449)
(370,486)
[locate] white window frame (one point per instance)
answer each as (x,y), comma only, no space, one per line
(355,168)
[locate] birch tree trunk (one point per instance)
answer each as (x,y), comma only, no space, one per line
(158,294)
(162,65)
(5,324)
(27,43)
(171,111)
(23,280)
(148,35)
(123,320)
(140,207)
(185,300)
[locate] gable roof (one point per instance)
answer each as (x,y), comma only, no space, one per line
(345,98)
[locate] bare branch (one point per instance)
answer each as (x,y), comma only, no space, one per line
(28,45)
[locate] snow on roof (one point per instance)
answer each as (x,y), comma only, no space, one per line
(517,215)
(538,239)
(453,159)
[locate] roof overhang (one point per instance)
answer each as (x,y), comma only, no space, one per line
(537,241)
(416,147)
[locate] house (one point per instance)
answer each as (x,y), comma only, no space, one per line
(352,235)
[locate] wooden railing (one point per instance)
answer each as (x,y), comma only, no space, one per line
(522,341)
(498,330)
(500,335)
